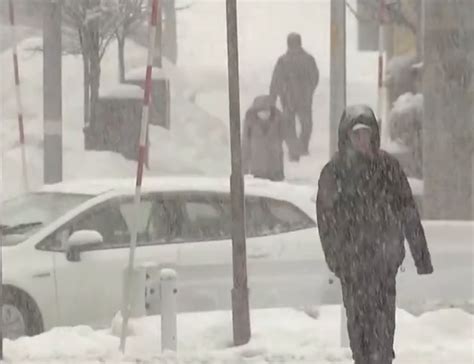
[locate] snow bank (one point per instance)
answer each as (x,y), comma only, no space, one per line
(196,144)
(278,336)
(122,91)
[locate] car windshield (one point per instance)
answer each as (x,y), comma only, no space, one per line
(22,216)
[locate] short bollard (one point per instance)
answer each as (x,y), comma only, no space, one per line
(168,293)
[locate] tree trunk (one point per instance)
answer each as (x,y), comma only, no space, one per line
(94,57)
(121,57)
(87,77)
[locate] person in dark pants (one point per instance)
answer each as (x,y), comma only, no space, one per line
(262,144)
(365,211)
(294,81)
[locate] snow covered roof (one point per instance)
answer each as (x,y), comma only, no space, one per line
(169,184)
(301,195)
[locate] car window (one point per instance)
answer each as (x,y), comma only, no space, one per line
(206,218)
(142,219)
(266,216)
(22,216)
(166,221)
(113,220)
(287,217)
(108,221)
(257,221)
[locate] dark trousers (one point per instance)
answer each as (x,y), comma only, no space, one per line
(298,145)
(370,308)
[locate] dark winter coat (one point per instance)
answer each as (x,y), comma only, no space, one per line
(365,208)
(263,141)
(295,79)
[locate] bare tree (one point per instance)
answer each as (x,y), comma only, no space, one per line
(130,14)
(90,28)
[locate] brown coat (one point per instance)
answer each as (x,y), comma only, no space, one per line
(263,142)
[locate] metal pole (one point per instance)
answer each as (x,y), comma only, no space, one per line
(380,78)
(240,299)
(52,92)
(141,161)
(21,130)
(158,58)
(338,69)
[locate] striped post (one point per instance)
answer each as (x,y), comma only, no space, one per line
(142,152)
(21,128)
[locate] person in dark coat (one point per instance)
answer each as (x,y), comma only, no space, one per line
(263,140)
(365,211)
(294,80)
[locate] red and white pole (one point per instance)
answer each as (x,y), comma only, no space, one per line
(142,152)
(21,128)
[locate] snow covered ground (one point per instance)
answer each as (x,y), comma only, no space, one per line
(279,336)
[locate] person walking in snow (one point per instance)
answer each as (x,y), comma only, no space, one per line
(294,80)
(263,140)
(365,211)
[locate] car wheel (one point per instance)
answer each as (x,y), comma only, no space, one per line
(20,314)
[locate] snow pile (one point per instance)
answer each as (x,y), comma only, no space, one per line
(278,336)
(196,144)
(122,91)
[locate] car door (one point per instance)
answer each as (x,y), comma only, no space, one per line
(90,290)
(205,252)
(285,263)
(297,266)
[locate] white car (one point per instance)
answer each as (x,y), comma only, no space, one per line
(67,245)
(65,249)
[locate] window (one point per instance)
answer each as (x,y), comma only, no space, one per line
(265,216)
(24,215)
(113,220)
(288,217)
(257,222)
(165,225)
(206,218)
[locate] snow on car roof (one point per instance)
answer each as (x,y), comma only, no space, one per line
(97,187)
(301,195)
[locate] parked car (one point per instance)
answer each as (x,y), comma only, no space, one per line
(65,249)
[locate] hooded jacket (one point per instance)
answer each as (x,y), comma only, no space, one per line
(263,141)
(365,208)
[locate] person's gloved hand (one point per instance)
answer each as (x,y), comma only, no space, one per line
(425,269)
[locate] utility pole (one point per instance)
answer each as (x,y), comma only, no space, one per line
(448,91)
(158,58)
(240,298)
(338,69)
(52,92)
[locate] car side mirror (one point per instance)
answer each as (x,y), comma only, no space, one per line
(82,240)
